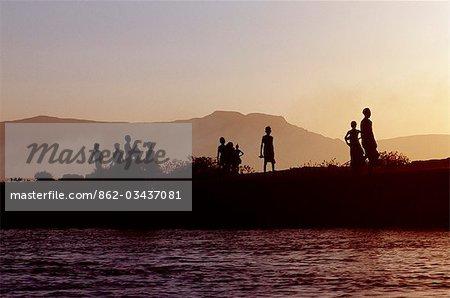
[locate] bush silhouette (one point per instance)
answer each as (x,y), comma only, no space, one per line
(333,163)
(177,168)
(204,166)
(393,158)
(43,175)
(246,169)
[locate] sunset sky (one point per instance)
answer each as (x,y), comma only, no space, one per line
(318,64)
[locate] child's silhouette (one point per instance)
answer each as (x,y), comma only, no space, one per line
(127,148)
(266,151)
(368,139)
(356,153)
(238,153)
(150,154)
(117,155)
(237,158)
(96,156)
(221,152)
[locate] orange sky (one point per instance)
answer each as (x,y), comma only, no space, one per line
(316,63)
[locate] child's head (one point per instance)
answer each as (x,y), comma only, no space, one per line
(222,140)
(367,112)
(127,138)
(117,146)
(268,130)
(353,124)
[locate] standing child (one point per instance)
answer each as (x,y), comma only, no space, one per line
(356,153)
(221,152)
(237,159)
(368,139)
(266,150)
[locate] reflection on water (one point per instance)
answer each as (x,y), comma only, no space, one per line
(167,263)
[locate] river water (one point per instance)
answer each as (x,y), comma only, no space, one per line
(224,263)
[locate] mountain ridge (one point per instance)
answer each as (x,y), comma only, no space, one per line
(55,119)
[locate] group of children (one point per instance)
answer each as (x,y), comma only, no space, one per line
(358,156)
(229,157)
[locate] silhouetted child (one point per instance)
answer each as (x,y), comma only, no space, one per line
(266,150)
(228,157)
(220,152)
(117,155)
(368,139)
(150,154)
(238,153)
(356,152)
(127,148)
(237,159)
(96,156)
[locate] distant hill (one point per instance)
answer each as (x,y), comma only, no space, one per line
(420,147)
(294,146)
(50,119)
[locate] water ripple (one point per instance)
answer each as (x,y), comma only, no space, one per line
(224,263)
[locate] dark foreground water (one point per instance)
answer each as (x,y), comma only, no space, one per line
(171,263)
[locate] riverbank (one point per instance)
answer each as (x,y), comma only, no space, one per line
(413,196)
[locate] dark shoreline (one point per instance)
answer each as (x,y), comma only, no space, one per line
(410,197)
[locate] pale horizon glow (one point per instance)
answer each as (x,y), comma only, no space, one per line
(318,64)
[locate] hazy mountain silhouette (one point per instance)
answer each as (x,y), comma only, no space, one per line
(419,147)
(51,119)
(294,145)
